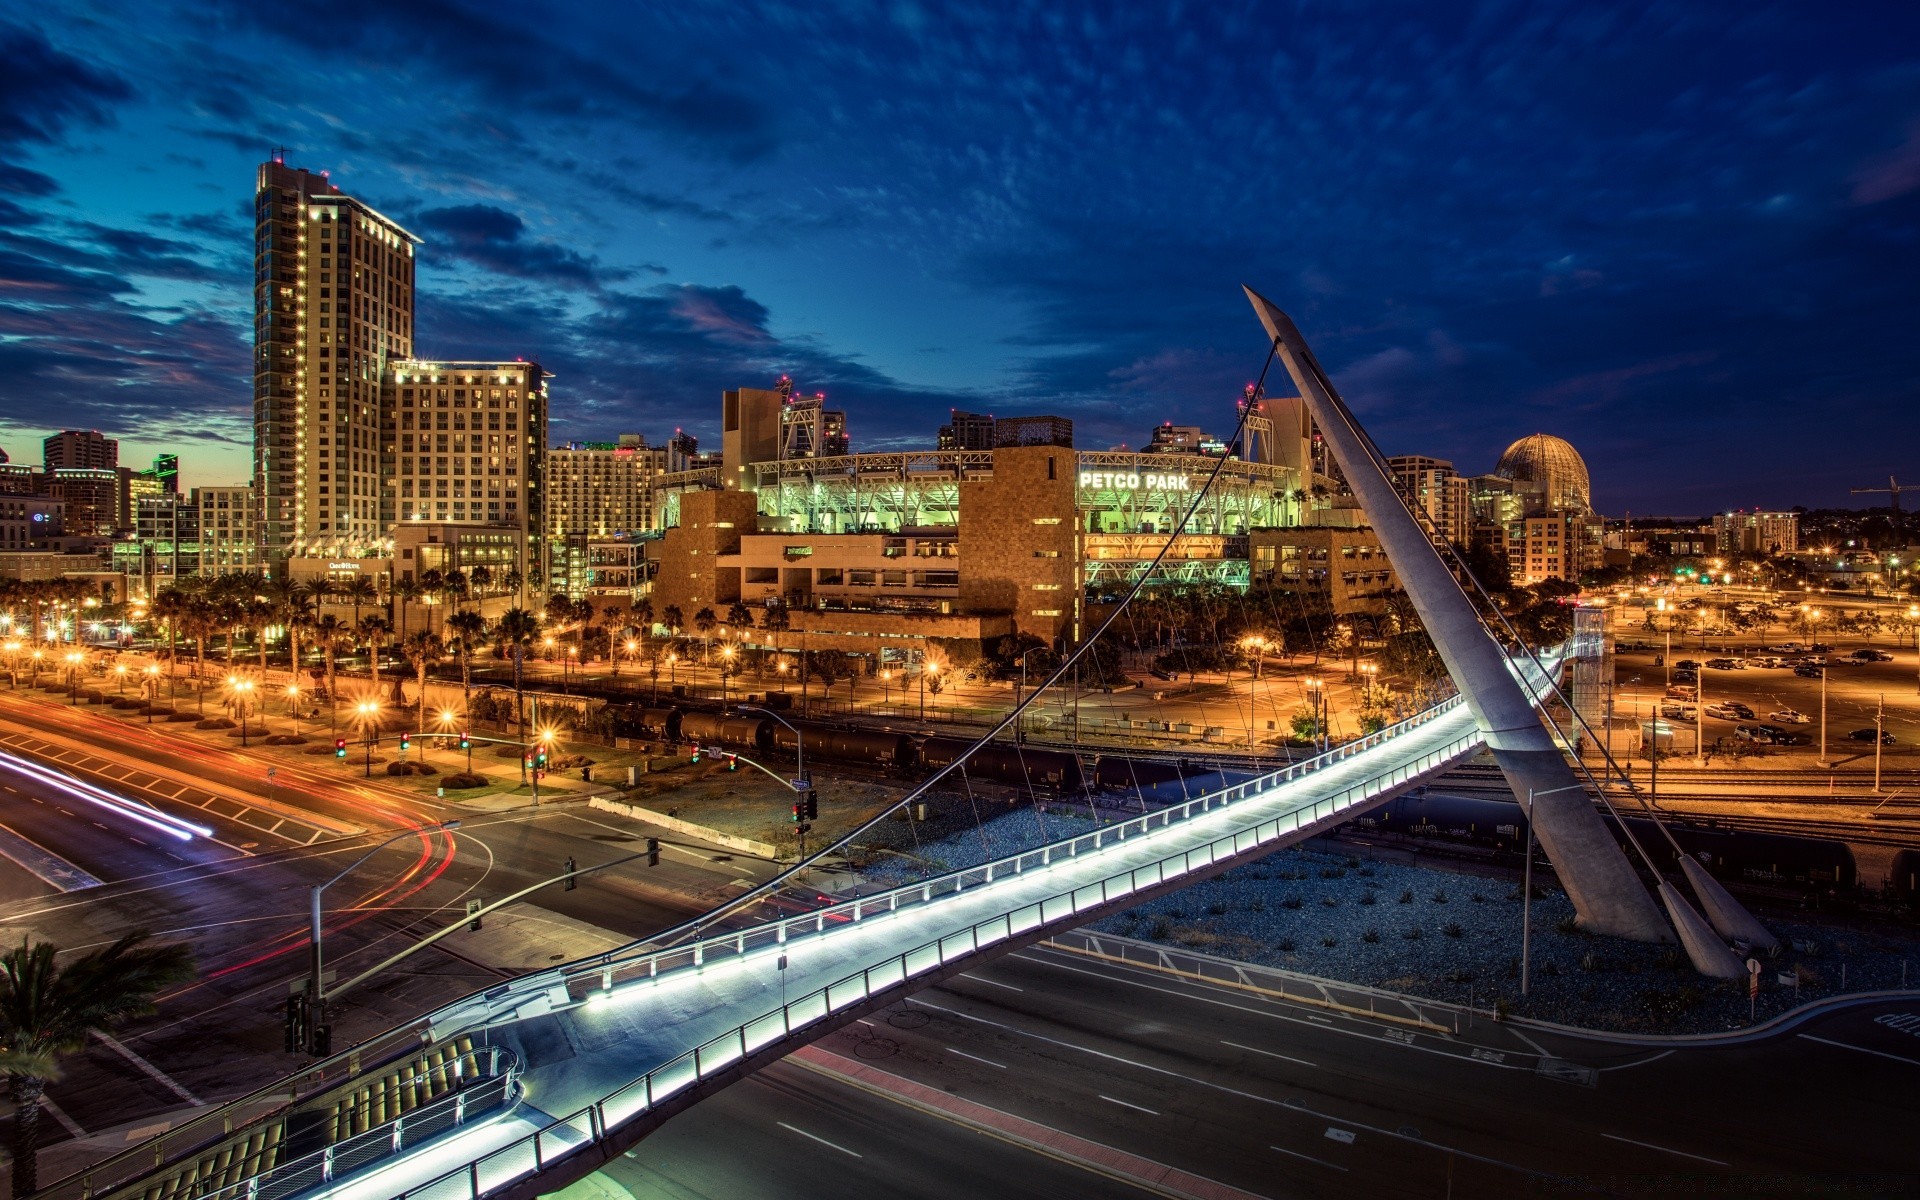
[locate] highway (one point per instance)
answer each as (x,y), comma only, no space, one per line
(1286,1100)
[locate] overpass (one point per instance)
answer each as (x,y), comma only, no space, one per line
(585,1059)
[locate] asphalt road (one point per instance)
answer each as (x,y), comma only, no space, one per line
(1285,1100)
(239,898)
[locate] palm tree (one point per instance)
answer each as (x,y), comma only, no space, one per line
(330,633)
(455,587)
(373,629)
(404,589)
(481,577)
(360,592)
(704,622)
(260,616)
(614,617)
(673,619)
(516,628)
(739,616)
(559,610)
(231,615)
(296,613)
(470,630)
(48,1011)
(423,648)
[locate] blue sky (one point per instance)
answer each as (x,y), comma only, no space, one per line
(1686,237)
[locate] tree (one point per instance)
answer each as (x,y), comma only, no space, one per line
(739,616)
(360,592)
(516,628)
(469,630)
(373,630)
(405,588)
(615,617)
(704,623)
(48,1011)
(423,649)
(330,633)
(673,619)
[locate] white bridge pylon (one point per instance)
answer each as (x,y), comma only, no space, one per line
(614,1044)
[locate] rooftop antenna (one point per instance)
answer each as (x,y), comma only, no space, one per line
(280,155)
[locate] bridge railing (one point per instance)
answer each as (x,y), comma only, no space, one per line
(560,1137)
(584,977)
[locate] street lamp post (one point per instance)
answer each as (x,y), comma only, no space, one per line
(293,707)
(120,673)
(1019,722)
(1913,621)
(1823,761)
(153,689)
(74,659)
(242,692)
(886,688)
(1526,875)
(316,997)
(369,712)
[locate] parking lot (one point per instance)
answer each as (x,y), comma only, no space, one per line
(1854,692)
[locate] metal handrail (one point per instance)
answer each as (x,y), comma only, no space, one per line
(594,1122)
(392,1133)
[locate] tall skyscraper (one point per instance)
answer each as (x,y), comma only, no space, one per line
(333,306)
(602,489)
(81,448)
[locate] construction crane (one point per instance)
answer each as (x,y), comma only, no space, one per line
(1892,491)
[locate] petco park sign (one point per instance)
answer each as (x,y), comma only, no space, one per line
(1133,481)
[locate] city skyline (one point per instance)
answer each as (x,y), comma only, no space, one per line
(1596,225)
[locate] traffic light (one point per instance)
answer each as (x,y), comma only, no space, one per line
(473,914)
(693,753)
(339,747)
(653,852)
(571,881)
(466,743)
(799,811)
(406,741)
(812,801)
(540,758)
(322,1041)
(733,764)
(296,1031)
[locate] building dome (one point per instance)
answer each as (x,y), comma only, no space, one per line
(1552,470)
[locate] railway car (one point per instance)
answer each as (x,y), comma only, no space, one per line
(656,724)
(827,744)
(1750,856)
(1119,771)
(718,729)
(1006,764)
(1903,876)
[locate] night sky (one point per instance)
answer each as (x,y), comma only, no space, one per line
(1686,237)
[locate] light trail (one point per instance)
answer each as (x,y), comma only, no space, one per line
(79,789)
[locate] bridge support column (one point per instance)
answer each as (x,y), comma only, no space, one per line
(1607,895)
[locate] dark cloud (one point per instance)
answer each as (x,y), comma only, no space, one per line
(44,90)
(507,56)
(492,238)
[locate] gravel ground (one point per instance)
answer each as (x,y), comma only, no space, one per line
(1450,935)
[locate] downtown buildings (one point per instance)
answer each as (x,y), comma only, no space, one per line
(370,460)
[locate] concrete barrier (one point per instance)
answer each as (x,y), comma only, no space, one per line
(704,833)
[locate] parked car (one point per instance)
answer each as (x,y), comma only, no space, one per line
(1807,672)
(1766,661)
(1787,716)
(1752,733)
(1779,736)
(1687,664)
(1725,664)
(1677,712)
(1726,712)
(1788,648)
(1867,656)
(1820,647)
(1866,735)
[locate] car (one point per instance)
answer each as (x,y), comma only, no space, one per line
(1788,648)
(1867,735)
(1766,661)
(1752,733)
(1686,664)
(1807,672)
(1726,664)
(1677,712)
(1820,647)
(1726,712)
(1787,716)
(1686,677)
(1867,656)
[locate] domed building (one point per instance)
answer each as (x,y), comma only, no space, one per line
(1551,471)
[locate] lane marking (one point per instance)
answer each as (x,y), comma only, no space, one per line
(59,1114)
(816,1138)
(1862,1049)
(1344,1136)
(1134,1107)
(1322,1020)
(991,982)
(152,1071)
(1319,1162)
(1270,1054)
(976,1058)
(1664,1149)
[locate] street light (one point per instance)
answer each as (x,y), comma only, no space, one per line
(152,672)
(120,673)
(1368,672)
(927,667)
(1913,622)
(242,691)
(1526,875)
(886,687)
(1316,694)
(74,659)
(368,712)
(293,707)
(316,998)
(726,672)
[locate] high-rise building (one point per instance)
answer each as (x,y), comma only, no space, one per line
(229,539)
(1434,488)
(333,306)
(92,499)
(1169,438)
(18,479)
(602,489)
(966,431)
(81,448)
(1033,431)
(1742,532)
(470,446)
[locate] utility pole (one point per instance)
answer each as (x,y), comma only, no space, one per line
(1879,737)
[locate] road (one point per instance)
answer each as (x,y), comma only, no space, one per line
(78,871)
(1285,1100)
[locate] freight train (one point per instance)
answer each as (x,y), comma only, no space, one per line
(1747,856)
